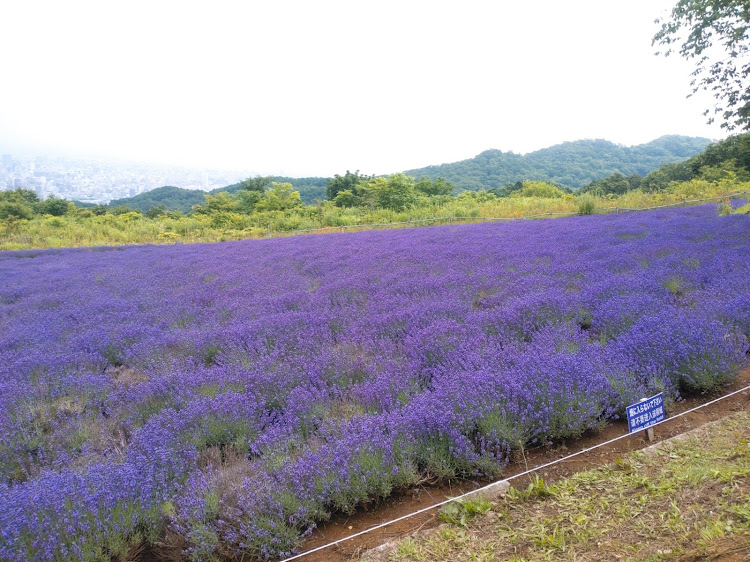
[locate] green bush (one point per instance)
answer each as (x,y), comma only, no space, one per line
(586,205)
(724,209)
(14,209)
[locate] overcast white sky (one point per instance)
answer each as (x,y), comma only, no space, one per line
(305,88)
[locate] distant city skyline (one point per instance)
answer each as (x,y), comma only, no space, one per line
(52,152)
(102,180)
(312,89)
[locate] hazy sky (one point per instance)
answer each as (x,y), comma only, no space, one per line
(318,87)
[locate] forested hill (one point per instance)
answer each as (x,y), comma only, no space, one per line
(572,164)
(173,199)
(180,199)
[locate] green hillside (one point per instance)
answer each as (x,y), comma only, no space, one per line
(180,199)
(727,159)
(572,164)
(173,199)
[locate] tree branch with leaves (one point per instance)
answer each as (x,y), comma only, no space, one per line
(714,33)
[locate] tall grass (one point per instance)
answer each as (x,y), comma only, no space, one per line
(132,228)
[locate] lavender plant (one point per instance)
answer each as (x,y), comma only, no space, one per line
(222,399)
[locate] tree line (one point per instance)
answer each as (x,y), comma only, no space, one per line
(267,199)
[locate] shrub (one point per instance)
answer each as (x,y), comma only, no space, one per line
(586,204)
(724,208)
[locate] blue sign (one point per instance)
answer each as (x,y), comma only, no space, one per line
(646,413)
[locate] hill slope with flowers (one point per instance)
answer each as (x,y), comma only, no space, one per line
(222,399)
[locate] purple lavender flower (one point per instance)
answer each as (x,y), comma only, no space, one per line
(236,394)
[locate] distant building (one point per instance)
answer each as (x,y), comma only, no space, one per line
(8,163)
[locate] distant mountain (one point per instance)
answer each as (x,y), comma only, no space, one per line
(173,198)
(180,199)
(572,164)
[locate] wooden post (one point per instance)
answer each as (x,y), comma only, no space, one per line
(650,434)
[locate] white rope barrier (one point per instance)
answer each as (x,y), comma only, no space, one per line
(503,481)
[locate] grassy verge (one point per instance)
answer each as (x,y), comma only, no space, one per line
(687,499)
(82,228)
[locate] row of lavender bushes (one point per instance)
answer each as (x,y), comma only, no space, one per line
(218,400)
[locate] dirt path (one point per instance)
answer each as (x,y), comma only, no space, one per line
(342,526)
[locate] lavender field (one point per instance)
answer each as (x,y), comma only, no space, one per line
(219,400)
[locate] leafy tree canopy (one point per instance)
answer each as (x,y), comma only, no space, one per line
(173,198)
(157,211)
(541,189)
(258,183)
(123,210)
(27,195)
(346,198)
(396,192)
(616,184)
(714,33)
(279,198)
(310,189)
(14,209)
(440,186)
(347,182)
(53,206)
(221,202)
